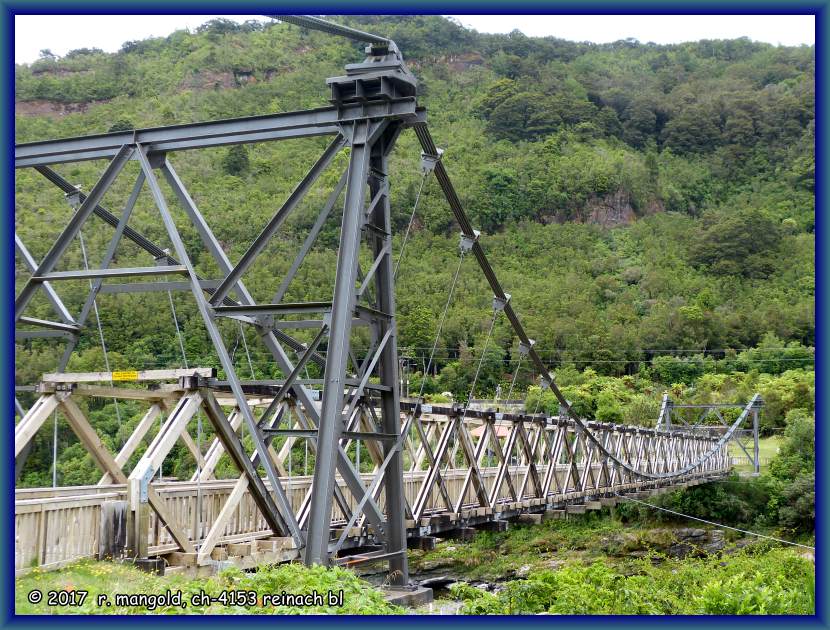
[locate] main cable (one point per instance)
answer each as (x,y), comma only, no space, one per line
(441,323)
(100,328)
(409,225)
(703,520)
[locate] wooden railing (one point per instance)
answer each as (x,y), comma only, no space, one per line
(56,526)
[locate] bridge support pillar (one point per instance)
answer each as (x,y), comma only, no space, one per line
(138,522)
(459,533)
(494,526)
(112,534)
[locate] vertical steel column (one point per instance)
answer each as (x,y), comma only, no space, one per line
(388,364)
(757,449)
(330,427)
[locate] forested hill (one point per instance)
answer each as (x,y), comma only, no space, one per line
(637,200)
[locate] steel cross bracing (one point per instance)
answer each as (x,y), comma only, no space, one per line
(372,104)
(670,416)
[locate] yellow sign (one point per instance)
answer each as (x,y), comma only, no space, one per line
(129,375)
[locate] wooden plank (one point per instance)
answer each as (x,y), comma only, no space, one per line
(168,434)
(179,559)
(107,463)
(92,443)
(130,375)
(218,527)
(29,425)
(134,440)
(127,393)
(63,503)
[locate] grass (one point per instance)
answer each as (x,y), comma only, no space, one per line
(108,578)
(767,449)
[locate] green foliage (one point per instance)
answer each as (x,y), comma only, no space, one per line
(236,160)
(669,369)
(122,125)
(740,241)
(774,356)
(782,584)
(359,598)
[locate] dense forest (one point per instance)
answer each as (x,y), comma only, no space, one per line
(649,207)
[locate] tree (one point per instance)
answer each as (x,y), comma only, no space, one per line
(740,241)
(693,131)
(670,370)
(494,95)
(416,329)
(236,160)
(524,116)
(122,124)
(639,124)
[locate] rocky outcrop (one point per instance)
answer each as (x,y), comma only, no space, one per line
(692,541)
(674,543)
(51,108)
(207,79)
(611,210)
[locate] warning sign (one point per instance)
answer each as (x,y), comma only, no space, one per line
(128,375)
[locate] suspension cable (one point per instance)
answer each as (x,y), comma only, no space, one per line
(441,323)
(100,328)
(694,518)
(247,352)
(178,330)
(515,374)
(409,226)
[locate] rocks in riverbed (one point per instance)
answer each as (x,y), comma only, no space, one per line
(694,541)
(675,543)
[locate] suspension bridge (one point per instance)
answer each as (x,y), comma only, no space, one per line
(433,470)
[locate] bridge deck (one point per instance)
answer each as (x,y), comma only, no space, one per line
(56,526)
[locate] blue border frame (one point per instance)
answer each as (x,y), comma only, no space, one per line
(8,8)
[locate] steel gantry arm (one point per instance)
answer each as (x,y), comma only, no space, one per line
(314,122)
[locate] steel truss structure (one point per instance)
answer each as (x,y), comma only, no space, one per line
(462,469)
(671,416)
(371,106)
